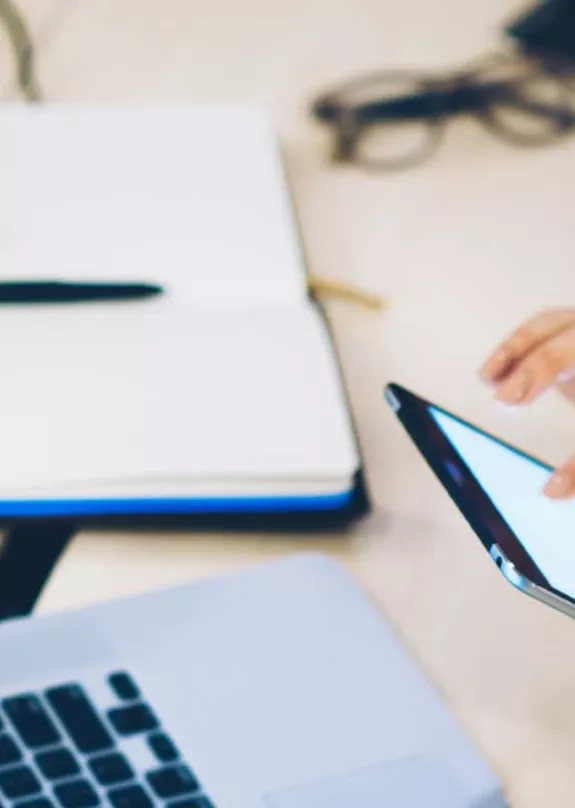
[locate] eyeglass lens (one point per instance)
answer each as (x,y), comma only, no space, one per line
(370,131)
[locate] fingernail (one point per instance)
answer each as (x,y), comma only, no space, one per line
(560,485)
(514,391)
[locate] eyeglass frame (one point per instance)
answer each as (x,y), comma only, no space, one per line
(447,96)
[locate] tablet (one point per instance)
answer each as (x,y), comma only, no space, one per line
(498,489)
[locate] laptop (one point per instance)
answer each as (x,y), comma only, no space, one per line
(279,687)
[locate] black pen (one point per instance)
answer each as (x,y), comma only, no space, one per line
(38,292)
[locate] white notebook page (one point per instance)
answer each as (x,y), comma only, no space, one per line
(185,396)
(228,376)
(194,198)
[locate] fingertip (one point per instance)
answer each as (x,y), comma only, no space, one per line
(496,366)
(561,485)
(517,389)
(486,377)
(486,372)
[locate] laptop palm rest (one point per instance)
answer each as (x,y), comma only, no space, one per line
(411,783)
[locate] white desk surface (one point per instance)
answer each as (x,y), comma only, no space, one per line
(463,247)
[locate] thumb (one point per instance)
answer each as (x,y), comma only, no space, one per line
(561,484)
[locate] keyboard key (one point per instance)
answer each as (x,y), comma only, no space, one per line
(163,747)
(57,764)
(124,686)
(19,781)
(132,720)
(77,794)
(172,781)
(192,802)
(31,721)
(111,769)
(38,802)
(9,752)
(130,797)
(79,718)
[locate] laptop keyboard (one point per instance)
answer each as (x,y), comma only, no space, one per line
(58,750)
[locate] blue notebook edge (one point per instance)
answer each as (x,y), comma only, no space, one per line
(34,542)
(74,508)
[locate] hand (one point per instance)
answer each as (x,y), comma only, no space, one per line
(535,357)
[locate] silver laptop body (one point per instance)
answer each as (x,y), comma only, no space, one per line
(280,687)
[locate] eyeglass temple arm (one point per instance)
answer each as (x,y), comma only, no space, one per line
(419,105)
(561,114)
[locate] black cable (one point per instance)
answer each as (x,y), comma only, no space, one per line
(23,49)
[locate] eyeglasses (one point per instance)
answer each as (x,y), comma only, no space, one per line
(394,120)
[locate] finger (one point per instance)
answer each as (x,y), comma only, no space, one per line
(525,339)
(539,370)
(561,484)
(566,386)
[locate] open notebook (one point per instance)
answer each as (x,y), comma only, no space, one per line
(224,394)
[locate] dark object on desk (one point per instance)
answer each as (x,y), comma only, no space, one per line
(546,32)
(394,120)
(39,292)
(28,554)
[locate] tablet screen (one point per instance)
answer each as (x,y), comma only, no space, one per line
(514,484)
